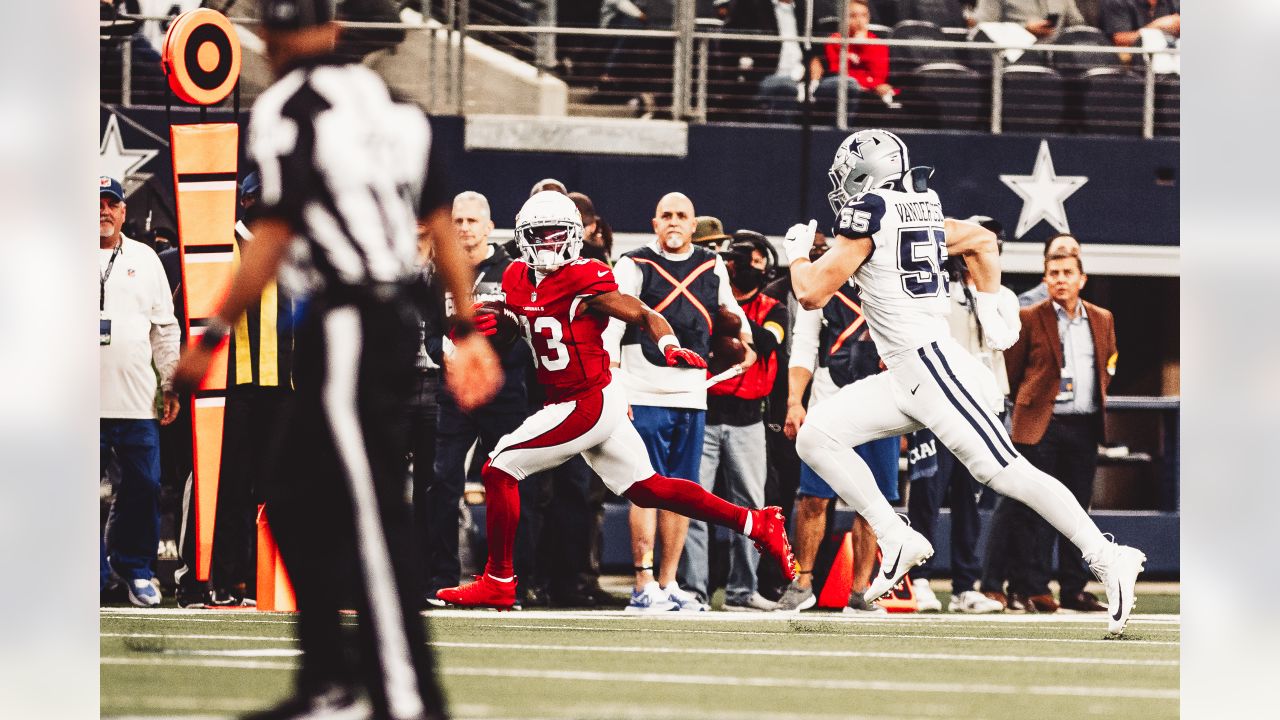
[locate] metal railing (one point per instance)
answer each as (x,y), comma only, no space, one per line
(688,74)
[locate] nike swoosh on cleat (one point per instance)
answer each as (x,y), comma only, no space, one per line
(889,573)
(1120,605)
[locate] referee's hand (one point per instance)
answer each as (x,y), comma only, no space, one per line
(473,373)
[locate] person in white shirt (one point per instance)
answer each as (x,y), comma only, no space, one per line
(687,285)
(138,341)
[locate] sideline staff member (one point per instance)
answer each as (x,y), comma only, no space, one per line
(345,173)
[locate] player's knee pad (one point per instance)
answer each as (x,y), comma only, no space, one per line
(812,442)
(1008,478)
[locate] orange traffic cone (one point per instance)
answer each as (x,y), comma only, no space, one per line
(275,592)
(835,591)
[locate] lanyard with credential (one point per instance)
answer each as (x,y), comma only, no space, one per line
(102,286)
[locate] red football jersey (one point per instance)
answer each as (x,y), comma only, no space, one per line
(568,349)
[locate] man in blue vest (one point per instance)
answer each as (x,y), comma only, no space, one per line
(687,285)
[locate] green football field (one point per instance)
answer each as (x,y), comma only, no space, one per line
(609,664)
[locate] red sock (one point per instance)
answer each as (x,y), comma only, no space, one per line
(687,498)
(502,514)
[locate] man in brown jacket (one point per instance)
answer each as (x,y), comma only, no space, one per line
(1059,371)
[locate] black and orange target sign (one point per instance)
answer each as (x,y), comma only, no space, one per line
(201,56)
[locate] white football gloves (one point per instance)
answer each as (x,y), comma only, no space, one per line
(799,240)
(997,331)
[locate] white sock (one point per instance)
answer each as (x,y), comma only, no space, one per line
(1039,491)
(849,476)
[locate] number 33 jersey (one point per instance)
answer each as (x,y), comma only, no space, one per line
(903,282)
(568,351)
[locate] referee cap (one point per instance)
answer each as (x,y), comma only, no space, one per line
(296,14)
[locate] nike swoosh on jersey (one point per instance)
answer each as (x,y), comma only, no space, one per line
(889,573)
(602,273)
(914,389)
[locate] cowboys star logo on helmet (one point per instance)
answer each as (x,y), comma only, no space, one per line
(855,171)
(549,231)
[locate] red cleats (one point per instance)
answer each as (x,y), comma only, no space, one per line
(484,592)
(769,530)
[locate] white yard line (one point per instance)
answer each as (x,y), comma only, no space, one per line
(714,680)
(633,649)
(898,636)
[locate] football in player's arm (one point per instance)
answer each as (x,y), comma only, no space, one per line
(815,282)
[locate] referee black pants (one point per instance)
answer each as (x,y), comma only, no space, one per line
(337,505)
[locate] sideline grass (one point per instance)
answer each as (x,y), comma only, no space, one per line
(612,665)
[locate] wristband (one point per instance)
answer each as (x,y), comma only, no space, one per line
(214,333)
(667,341)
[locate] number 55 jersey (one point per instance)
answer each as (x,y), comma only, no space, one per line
(903,282)
(568,350)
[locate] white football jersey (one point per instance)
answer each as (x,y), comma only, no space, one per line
(903,285)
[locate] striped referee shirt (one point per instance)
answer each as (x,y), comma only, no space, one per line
(350,169)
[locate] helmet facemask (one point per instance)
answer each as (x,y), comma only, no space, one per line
(548,246)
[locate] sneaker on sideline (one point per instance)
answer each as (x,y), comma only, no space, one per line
(650,599)
(796,598)
(755,603)
(973,602)
(684,601)
(859,605)
(926,600)
(143,593)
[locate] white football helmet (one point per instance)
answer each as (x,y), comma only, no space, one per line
(866,160)
(549,231)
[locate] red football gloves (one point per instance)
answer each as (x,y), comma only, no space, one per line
(485,323)
(684,357)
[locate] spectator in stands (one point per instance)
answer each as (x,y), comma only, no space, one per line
(138,343)
(1062,243)
(457,431)
(935,472)
(1123,19)
(1059,371)
(686,284)
(833,348)
(943,13)
(752,62)
(1042,18)
(868,64)
(734,443)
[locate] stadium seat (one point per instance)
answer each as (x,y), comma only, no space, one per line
(1105,100)
(1168,97)
(903,60)
(1076,63)
(777,101)
(943,13)
(824,100)
(947,95)
(1034,97)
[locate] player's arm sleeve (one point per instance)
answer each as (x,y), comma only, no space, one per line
(860,217)
(165,336)
(804,339)
(1010,310)
(627,276)
(726,298)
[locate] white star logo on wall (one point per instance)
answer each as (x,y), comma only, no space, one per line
(114,159)
(1043,193)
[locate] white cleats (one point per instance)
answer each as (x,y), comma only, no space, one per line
(926,600)
(1117,568)
(899,552)
(972,602)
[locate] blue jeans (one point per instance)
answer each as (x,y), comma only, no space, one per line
(133,526)
(740,451)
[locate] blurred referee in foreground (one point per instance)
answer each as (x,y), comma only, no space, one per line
(346,173)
